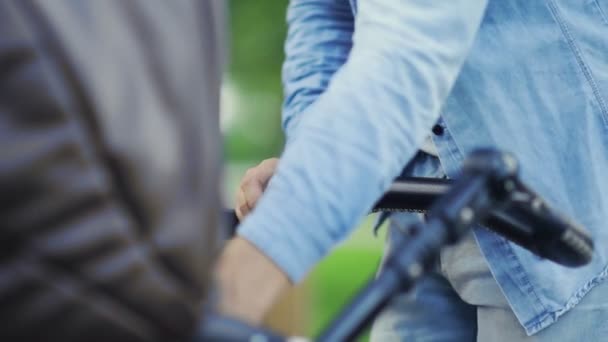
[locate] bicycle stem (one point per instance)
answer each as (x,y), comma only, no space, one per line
(485,185)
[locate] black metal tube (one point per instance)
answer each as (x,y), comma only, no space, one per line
(363,308)
(421,193)
(526,219)
(411,257)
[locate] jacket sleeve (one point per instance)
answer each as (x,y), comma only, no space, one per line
(368,123)
(319,39)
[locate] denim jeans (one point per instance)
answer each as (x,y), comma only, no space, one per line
(461,301)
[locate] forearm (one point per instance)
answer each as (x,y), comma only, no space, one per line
(359,134)
(356,137)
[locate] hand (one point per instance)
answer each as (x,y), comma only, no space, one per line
(248,281)
(253,185)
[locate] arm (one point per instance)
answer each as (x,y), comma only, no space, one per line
(319,39)
(362,130)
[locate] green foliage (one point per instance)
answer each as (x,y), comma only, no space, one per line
(254,73)
(340,276)
(337,280)
(254,78)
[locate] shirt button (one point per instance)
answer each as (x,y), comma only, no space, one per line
(437,130)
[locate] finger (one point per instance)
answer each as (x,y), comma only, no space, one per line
(266,170)
(241,206)
(244,211)
(252,192)
(253,185)
(239,198)
(238,213)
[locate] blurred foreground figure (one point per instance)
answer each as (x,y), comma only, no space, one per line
(109,167)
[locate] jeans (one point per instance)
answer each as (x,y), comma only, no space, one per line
(461,301)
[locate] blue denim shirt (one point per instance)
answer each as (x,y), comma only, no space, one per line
(365,83)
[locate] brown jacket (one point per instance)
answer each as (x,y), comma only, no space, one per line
(109,167)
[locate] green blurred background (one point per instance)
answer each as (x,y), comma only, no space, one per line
(251,105)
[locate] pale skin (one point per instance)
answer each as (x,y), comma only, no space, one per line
(249,282)
(253,185)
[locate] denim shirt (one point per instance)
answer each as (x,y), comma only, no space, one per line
(364,84)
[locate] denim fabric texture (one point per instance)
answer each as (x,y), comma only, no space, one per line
(365,82)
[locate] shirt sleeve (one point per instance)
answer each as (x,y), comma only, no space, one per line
(319,39)
(368,123)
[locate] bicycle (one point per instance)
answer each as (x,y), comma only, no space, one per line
(487,192)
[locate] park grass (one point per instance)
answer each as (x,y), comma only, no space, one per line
(342,274)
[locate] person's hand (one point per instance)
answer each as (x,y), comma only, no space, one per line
(253,185)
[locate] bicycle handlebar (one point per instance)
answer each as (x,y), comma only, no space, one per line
(526,220)
(488,193)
